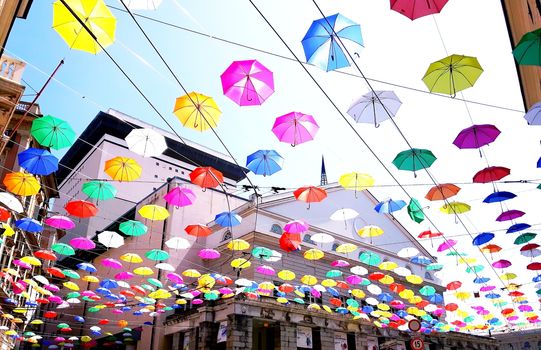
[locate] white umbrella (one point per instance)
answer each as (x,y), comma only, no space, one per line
(41,279)
(402,271)
(358,270)
(373,289)
(408,252)
(178,243)
(164,266)
(371,301)
(111,239)
(142,4)
(322,238)
(11,202)
(274,257)
(123,284)
(243,282)
(146,142)
(375,107)
(344,214)
(73,301)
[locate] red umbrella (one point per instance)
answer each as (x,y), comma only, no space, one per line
(535,266)
(396,287)
(81,209)
(103,321)
(376,276)
(4,214)
(529,246)
(45,255)
(56,272)
(417,9)
(310,194)
(454,285)
(206,177)
(198,230)
(286,288)
(50,314)
(290,241)
(429,234)
(451,307)
(422,304)
(335,301)
(342,284)
(492,173)
(441,192)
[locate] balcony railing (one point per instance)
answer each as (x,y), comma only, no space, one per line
(27,106)
(11,68)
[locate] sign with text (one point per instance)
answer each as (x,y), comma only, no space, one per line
(417,344)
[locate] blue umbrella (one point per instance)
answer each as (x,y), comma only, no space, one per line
(324,49)
(103,291)
(31,303)
(481,280)
(483,238)
(493,321)
(264,162)
(423,260)
(78,318)
(401,313)
(388,206)
(499,196)
(28,224)
(367,309)
(436,298)
(539,163)
(333,291)
(385,297)
(492,296)
(86,267)
(228,219)
(341,310)
(518,227)
(109,284)
(537,278)
(38,161)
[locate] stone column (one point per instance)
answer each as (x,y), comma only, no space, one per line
(239,333)
(208,332)
(327,338)
(288,336)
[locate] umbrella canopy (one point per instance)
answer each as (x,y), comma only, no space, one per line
(414,159)
(452,74)
(198,230)
(62,249)
(415,211)
(52,132)
(356,181)
(38,161)
(533,116)
(290,241)
(101,190)
(476,136)
(11,202)
(146,142)
(344,214)
(296,226)
(388,206)
(499,196)
(153,212)
(483,238)
(490,174)
(455,208)
(247,83)
(206,177)
(97,18)
(81,209)
(310,194)
(417,9)
(178,243)
(157,255)
(180,197)
(228,219)
(524,238)
(82,243)
(21,184)
(370,231)
(295,128)
(375,107)
(111,239)
(197,111)
(264,162)
(133,228)
(123,169)
(442,192)
(29,224)
(527,51)
(328,41)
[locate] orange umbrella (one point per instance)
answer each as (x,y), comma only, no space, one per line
(21,184)
(310,194)
(442,192)
(198,230)
(491,248)
(123,169)
(206,177)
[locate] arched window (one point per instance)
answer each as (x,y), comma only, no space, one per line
(428,276)
(226,236)
(307,239)
(335,245)
(275,228)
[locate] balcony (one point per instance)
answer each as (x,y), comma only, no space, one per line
(11,69)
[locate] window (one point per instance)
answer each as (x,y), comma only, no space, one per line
(176,170)
(307,239)
(155,176)
(310,299)
(170,168)
(226,236)
(157,163)
(335,246)
(275,228)
(428,276)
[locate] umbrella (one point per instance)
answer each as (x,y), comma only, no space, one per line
(356,181)
(442,192)
(142,4)
(146,142)
(370,258)
(423,260)
(238,244)
(290,241)
(344,214)
(414,159)
(417,9)
(97,18)
(197,111)
(60,222)
(206,177)
(527,50)
(157,254)
(295,128)
(131,258)
(62,249)
(452,74)
(491,248)
(123,169)
(310,194)
(198,230)
(370,231)
(178,243)
(11,202)
(133,228)
(388,206)
(510,215)
(476,136)
(329,40)
(264,162)
(296,226)
(82,243)
(448,244)
(408,252)
(483,238)
(180,197)
(81,208)
(86,267)
(533,113)
(455,208)
(101,190)
(228,219)
(415,211)
(153,212)
(490,174)
(517,227)
(499,196)
(21,184)
(111,239)
(38,161)
(29,224)
(111,263)
(501,264)
(52,132)
(209,254)
(375,107)
(247,83)
(525,238)
(313,254)
(45,255)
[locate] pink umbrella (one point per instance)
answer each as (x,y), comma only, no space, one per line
(487,288)
(196,293)
(209,254)
(111,263)
(52,287)
(82,243)
(483,312)
(512,318)
(416,9)
(88,293)
(197,301)
(265,270)
(225,290)
(124,275)
(296,226)
(180,197)
(316,293)
(55,299)
(501,264)
(22,264)
(354,279)
(116,311)
(525,308)
(438,312)
(174,277)
(60,222)
(447,245)
(295,128)
(340,263)
(59,339)
(247,83)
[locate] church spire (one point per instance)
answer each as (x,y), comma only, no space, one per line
(323,172)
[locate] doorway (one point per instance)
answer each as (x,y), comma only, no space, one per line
(266,335)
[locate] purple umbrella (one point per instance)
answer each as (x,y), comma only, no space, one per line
(510,215)
(180,197)
(295,128)
(525,308)
(476,136)
(534,114)
(501,264)
(487,288)
(60,222)
(247,83)
(82,243)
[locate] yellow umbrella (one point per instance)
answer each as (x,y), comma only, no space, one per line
(19,310)
(282,300)
(388,266)
(383,307)
(238,244)
(357,293)
(123,169)
(346,248)
(240,263)
(455,208)
(31,260)
(10,332)
(508,276)
(143,271)
(466,260)
(131,258)
(154,212)
(299,293)
(36,322)
(412,310)
(191,273)
(313,254)
(356,181)
(328,309)
(328,283)
(286,275)
(415,299)
(414,279)
(406,294)
(386,280)
(197,111)
(462,295)
(452,74)
(21,184)
(90,279)
(181,302)
(71,285)
(314,307)
(11,271)
(96,16)
(160,294)
(8,231)
(8,316)
(31,282)
(309,280)
(370,231)
(266,285)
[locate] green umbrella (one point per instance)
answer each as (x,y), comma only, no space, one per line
(369,258)
(63,325)
(352,303)
(148,286)
(333,273)
(528,50)
(101,190)
(261,252)
(133,228)
(415,211)
(525,238)
(157,255)
(427,291)
(538,291)
(63,249)
(85,298)
(71,274)
(414,159)
(365,281)
(29,334)
(212,295)
(155,282)
(52,132)
(72,295)
(434,267)
(475,268)
(455,253)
